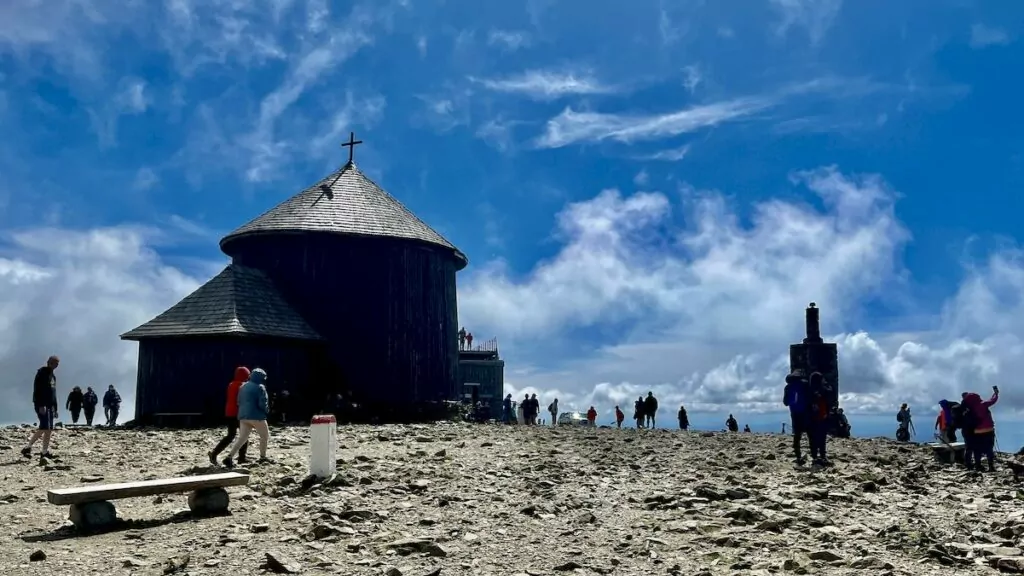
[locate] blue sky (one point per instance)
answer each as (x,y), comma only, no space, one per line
(649,192)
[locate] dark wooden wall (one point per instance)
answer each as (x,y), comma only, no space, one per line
(490,374)
(191,374)
(386,307)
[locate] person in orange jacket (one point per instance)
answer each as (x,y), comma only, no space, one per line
(592,416)
(231,415)
(619,417)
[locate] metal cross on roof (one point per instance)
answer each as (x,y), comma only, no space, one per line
(351,145)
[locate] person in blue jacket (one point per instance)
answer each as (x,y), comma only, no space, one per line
(796,396)
(253,409)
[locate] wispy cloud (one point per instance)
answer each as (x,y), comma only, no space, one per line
(982,36)
(145,179)
(817,16)
(669,155)
(130,98)
(692,77)
(355,112)
(497,132)
(571,127)
(509,41)
(548,85)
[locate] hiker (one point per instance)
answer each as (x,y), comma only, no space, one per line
(983,427)
(462,338)
(231,417)
(796,397)
(818,418)
(903,432)
(844,425)
(638,412)
(592,416)
(284,401)
(684,420)
(111,405)
(746,428)
(553,410)
(506,409)
(619,417)
(944,422)
(253,410)
(74,403)
(650,408)
(469,341)
(89,402)
(44,401)
(731,424)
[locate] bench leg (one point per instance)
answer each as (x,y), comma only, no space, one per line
(208,501)
(92,515)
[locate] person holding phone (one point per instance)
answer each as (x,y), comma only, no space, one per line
(983,437)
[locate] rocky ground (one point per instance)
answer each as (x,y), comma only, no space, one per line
(482,500)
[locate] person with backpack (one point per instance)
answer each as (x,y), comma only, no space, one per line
(553,410)
(983,428)
(619,417)
(89,402)
(906,427)
(592,417)
(819,418)
(684,420)
(74,403)
(796,397)
(944,422)
(638,412)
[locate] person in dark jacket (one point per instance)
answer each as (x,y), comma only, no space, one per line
(684,420)
(507,415)
(231,417)
(44,401)
(651,409)
(111,405)
(253,411)
(89,403)
(819,415)
(74,403)
(796,397)
(638,412)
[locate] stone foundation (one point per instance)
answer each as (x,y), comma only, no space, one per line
(209,501)
(93,515)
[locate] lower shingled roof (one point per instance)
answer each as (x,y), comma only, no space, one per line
(239,301)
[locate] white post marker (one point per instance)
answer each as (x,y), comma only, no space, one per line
(323,454)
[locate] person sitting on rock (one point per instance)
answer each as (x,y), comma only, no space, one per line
(619,417)
(796,397)
(592,416)
(638,412)
(74,403)
(746,428)
(732,425)
(253,411)
(819,413)
(684,419)
(651,409)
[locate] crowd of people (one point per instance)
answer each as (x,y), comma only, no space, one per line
(972,416)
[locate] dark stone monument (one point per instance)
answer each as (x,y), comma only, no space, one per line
(816,355)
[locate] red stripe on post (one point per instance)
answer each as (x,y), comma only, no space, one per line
(324,419)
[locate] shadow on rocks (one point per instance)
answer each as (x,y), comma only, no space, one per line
(68,532)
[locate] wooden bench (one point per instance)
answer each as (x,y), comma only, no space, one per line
(90,506)
(950,453)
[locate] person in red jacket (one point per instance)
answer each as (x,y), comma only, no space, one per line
(619,417)
(592,416)
(231,415)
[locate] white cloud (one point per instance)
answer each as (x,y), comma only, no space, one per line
(145,178)
(642,178)
(703,312)
(497,132)
(132,98)
(507,40)
(571,127)
(669,155)
(983,36)
(70,293)
(817,16)
(692,77)
(548,85)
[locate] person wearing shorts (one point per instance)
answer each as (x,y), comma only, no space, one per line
(44,400)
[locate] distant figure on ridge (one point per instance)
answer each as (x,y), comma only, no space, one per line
(638,412)
(74,403)
(253,410)
(650,409)
(44,401)
(732,425)
(527,410)
(506,410)
(944,422)
(983,432)
(534,409)
(553,410)
(469,341)
(89,403)
(462,338)
(906,425)
(746,428)
(592,416)
(684,420)
(619,417)
(796,397)
(231,416)
(111,405)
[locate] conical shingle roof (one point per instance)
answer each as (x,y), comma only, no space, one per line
(345,202)
(239,301)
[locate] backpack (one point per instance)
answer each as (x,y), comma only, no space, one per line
(964,418)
